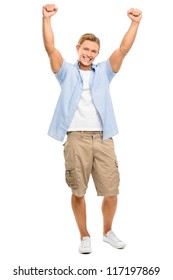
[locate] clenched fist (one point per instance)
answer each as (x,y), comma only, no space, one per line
(134,14)
(49,10)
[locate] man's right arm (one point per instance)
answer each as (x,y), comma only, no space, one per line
(55,56)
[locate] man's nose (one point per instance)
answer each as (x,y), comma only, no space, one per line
(88,53)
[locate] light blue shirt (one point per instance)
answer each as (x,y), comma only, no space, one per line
(71,84)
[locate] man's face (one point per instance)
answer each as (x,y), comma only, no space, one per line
(87,52)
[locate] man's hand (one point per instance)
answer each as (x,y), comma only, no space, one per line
(49,10)
(134,15)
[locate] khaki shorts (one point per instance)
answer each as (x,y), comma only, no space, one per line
(86,153)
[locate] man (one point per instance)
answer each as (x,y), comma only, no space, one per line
(85,113)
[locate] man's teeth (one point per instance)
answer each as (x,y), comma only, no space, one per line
(86,58)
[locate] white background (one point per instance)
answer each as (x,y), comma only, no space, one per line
(37,224)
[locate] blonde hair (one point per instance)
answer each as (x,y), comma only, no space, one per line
(90,37)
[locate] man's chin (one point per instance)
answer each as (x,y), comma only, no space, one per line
(85,65)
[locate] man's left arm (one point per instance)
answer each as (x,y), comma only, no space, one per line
(118,55)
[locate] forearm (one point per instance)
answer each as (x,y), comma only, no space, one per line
(129,38)
(48,36)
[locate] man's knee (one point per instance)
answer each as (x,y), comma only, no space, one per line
(78,199)
(112,198)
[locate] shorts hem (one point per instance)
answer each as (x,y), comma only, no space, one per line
(78,194)
(108,194)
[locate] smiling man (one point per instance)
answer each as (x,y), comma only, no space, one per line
(88,48)
(85,114)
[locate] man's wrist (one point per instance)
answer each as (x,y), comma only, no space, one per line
(46,18)
(135,23)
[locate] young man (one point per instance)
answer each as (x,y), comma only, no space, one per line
(85,113)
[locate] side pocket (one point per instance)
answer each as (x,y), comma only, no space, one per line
(116,162)
(70,176)
(117,172)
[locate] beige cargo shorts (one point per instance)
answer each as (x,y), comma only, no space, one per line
(87,154)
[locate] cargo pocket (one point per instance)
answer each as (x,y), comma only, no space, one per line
(70,176)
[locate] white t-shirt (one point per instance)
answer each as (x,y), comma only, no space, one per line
(86,117)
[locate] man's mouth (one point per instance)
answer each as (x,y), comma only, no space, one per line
(87,59)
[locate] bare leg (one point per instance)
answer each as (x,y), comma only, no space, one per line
(79,210)
(109,206)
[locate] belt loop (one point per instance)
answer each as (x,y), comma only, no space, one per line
(82,135)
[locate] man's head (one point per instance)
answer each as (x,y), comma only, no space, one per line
(88,48)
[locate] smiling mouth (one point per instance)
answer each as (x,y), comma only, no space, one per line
(87,59)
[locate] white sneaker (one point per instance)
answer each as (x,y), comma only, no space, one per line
(113,240)
(85,245)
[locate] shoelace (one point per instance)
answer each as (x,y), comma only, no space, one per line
(113,236)
(85,243)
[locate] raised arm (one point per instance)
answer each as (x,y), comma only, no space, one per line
(118,55)
(55,56)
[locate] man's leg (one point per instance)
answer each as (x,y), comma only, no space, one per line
(79,210)
(109,206)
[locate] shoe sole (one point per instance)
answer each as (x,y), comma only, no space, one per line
(85,253)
